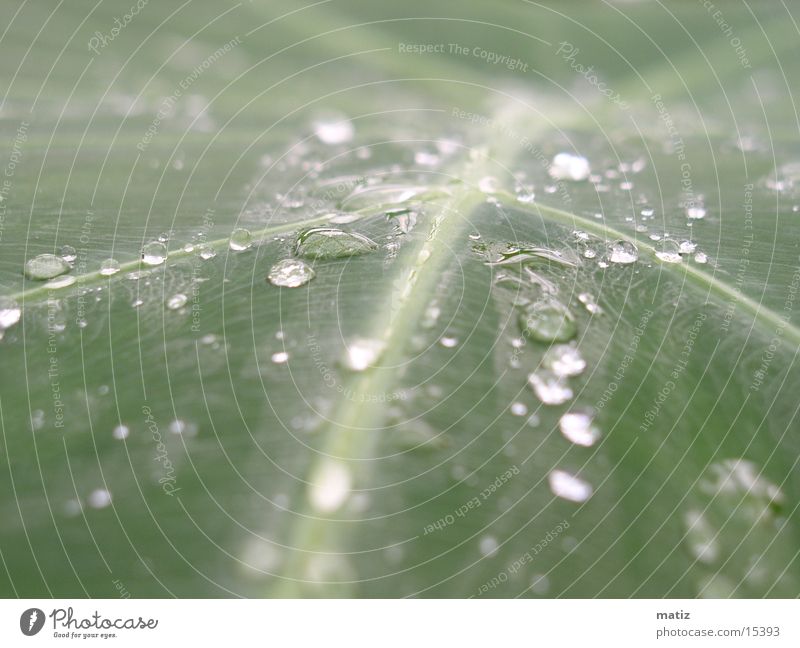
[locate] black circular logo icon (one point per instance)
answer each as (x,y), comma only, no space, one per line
(31,621)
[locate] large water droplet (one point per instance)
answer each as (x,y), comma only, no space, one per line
(549,388)
(154,253)
(109,267)
(548,321)
(569,487)
(331,243)
(290,273)
(45,266)
(240,240)
(567,166)
(10,312)
(623,252)
(579,428)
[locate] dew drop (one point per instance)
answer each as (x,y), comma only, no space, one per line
(564,360)
(330,486)
(519,409)
(623,252)
(240,240)
(121,432)
(60,282)
(569,487)
(448,342)
(68,253)
(281,357)
(669,252)
(290,273)
(99,498)
(45,266)
(109,267)
(687,247)
(206,252)
(488,546)
(363,353)
(10,313)
(548,321)
(154,253)
(566,166)
(331,243)
(540,584)
(579,428)
(177,301)
(335,131)
(590,303)
(549,388)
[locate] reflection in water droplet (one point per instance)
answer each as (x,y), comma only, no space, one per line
(154,253)
(330,486)
(540,584)
(290,273)
(177,301)
(687,247)
(448,342)
(240,240)
(564,360)
(569,487)
(109,267)
(331,243)
(589,302)
(363,354)
(45,266)
(579,428)
(99,498)
(10,313)
(701,257)
(567,166)
(623,252)
(549,388)
(548,321)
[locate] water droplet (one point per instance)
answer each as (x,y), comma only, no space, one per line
(281,357)
(623,252)
(687,247)
(334,131)
(177,301)
(45,266)
(109,267)
(206,252)
(68,253)
(363,353)
(330,486)
(488,546)
(519,409)
(99,498)
(695,212)
(569,487)
(448,342)
(701,537)
(564,360)
(540,584)
(137,302)
(331,243)
(669,252)
(60,282)
(489,185)
(549,388)
(548,321)
(10,313)
(240,240)
(566,166)
(701,257)
(154,253)
(425,158)
(579,428)
(121,432)
(290,273)
(589,302)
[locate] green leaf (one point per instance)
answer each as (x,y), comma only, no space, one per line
(434,359)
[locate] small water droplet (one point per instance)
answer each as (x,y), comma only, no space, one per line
(281,357)
(448,342)
(569,487)
(154,253)
(489,185)
(45,266)
(290,273)
(519,409)
(623,252)
(488,546)
(206,252)
(240,240)
(550,388)
(564,360)
(548,321)
(177,301)
(60,282)
(99,498)
(669,252)
(567,166)
(331,243)
(121,432)
(109,267)
(68,253)
(10,313)
(363,353)
(696,212)
(334,131)
(579,428)
(589,302)
(330,486)
(701,257)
